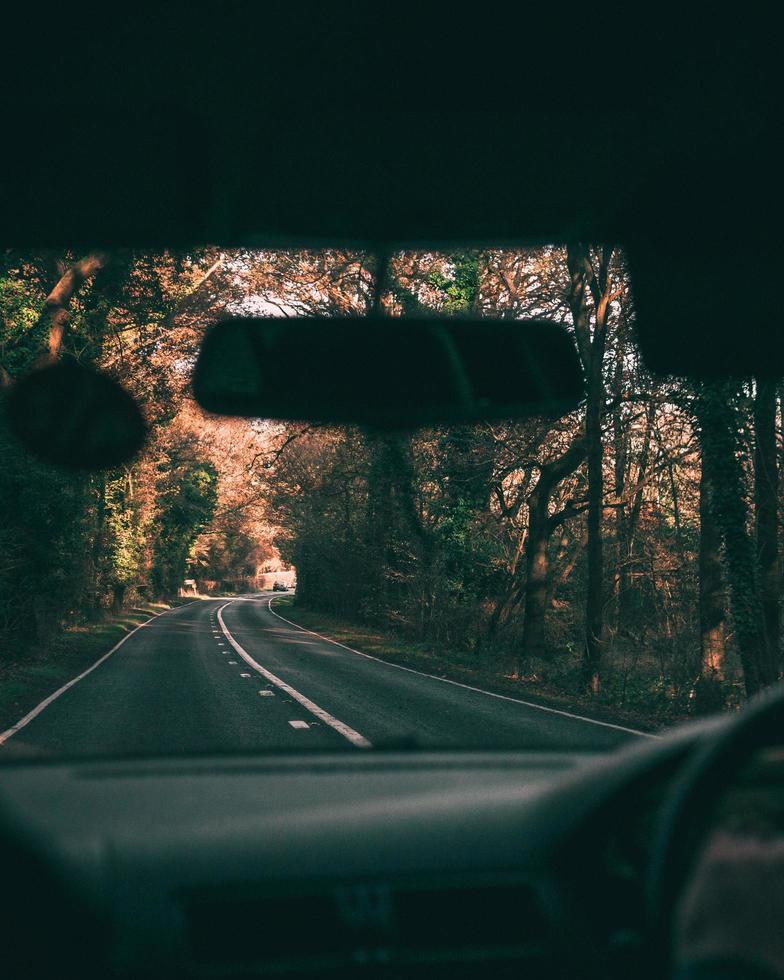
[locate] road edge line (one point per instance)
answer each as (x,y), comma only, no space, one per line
(42,705)
(467,687)
(339,726)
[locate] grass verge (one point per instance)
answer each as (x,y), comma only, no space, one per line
(418,656)
(24,683)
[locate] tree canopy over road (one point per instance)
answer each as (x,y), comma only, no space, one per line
(630,550)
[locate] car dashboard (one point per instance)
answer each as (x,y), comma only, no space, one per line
(375,863)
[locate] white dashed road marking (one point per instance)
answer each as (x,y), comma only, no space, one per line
(348,733)
(244,675)
(267,694)
(299,724)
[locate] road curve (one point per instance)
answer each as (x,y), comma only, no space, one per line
(222,675)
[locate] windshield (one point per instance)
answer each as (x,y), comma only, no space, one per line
(256,585)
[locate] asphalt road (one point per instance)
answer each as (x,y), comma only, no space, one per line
(231,674)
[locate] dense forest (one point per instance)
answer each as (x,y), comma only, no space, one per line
(629,551)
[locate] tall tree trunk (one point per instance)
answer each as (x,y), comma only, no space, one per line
(635,495)
(594,608)
(98,542)
(620,453)
(766,487)
(392,506)
(118,596)
(584,279)
(709,695)
(378,527)
(540,527)
(537,567)
(718,425)
(503,604)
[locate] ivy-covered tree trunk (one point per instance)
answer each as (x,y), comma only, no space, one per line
(708,691)
(537,576)
(766,489)
(98,543)
(540,528)
(717,417)
(378,529)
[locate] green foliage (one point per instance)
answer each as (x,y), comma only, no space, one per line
(43,518)
(453,284)
(22,336)
(71,543)
(461,288)
(231,558)
(423,535)
(187,495)
(378,534)
(125,533)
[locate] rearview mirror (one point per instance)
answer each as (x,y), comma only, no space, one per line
(75,416)
(388,372)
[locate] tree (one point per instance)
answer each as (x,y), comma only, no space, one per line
(187,495)
(541,524)
(717,410)
(492,544)
(57,302)
(589,276)
(766,488)
(709,696)
(125,532)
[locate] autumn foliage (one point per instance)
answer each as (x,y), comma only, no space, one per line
(630,550)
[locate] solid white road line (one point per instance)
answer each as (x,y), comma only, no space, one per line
(9,732)
(467,687)
(348,733)
(299,724)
